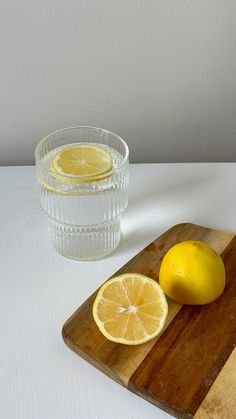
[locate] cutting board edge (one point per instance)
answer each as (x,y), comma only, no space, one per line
(109,372)
(171,410)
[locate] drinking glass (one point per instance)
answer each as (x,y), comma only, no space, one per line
(84,217)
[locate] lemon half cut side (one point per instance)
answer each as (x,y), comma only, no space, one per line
(130,309)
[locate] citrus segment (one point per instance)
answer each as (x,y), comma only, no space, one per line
(149,327)
(106,309)
(133,333)
(116,326)
(130,309)
(152,309)
(117,293)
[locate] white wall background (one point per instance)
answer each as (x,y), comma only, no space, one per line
(161,73)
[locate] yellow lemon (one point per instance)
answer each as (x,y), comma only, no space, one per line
(192,273)
(130,309)
(83,160)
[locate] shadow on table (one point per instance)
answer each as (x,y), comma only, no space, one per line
(143,190)
(152,196)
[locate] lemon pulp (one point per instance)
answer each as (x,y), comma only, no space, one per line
(130,309)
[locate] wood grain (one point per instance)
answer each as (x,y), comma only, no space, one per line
(220,400)
(176,370)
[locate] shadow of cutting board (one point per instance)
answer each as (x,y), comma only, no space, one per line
(190,369)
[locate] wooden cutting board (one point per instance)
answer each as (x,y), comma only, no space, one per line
(188,371)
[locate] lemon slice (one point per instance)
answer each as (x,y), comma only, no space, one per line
(85,160)
(130,309)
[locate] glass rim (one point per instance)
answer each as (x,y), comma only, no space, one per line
(81,177)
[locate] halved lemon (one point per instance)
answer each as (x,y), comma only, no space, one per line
(130,309)
(85,160)
(192,273)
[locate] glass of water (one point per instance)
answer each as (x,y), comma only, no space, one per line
(84,213)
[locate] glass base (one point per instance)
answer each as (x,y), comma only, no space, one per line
(85,242)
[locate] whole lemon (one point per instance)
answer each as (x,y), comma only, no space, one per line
(192,273)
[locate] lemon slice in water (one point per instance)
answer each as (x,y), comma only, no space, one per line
(85,160)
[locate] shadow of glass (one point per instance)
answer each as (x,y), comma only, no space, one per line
(156,206)
(142,190)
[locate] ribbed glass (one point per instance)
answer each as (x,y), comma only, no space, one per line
(84,217)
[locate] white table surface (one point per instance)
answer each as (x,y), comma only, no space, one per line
(39,376)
